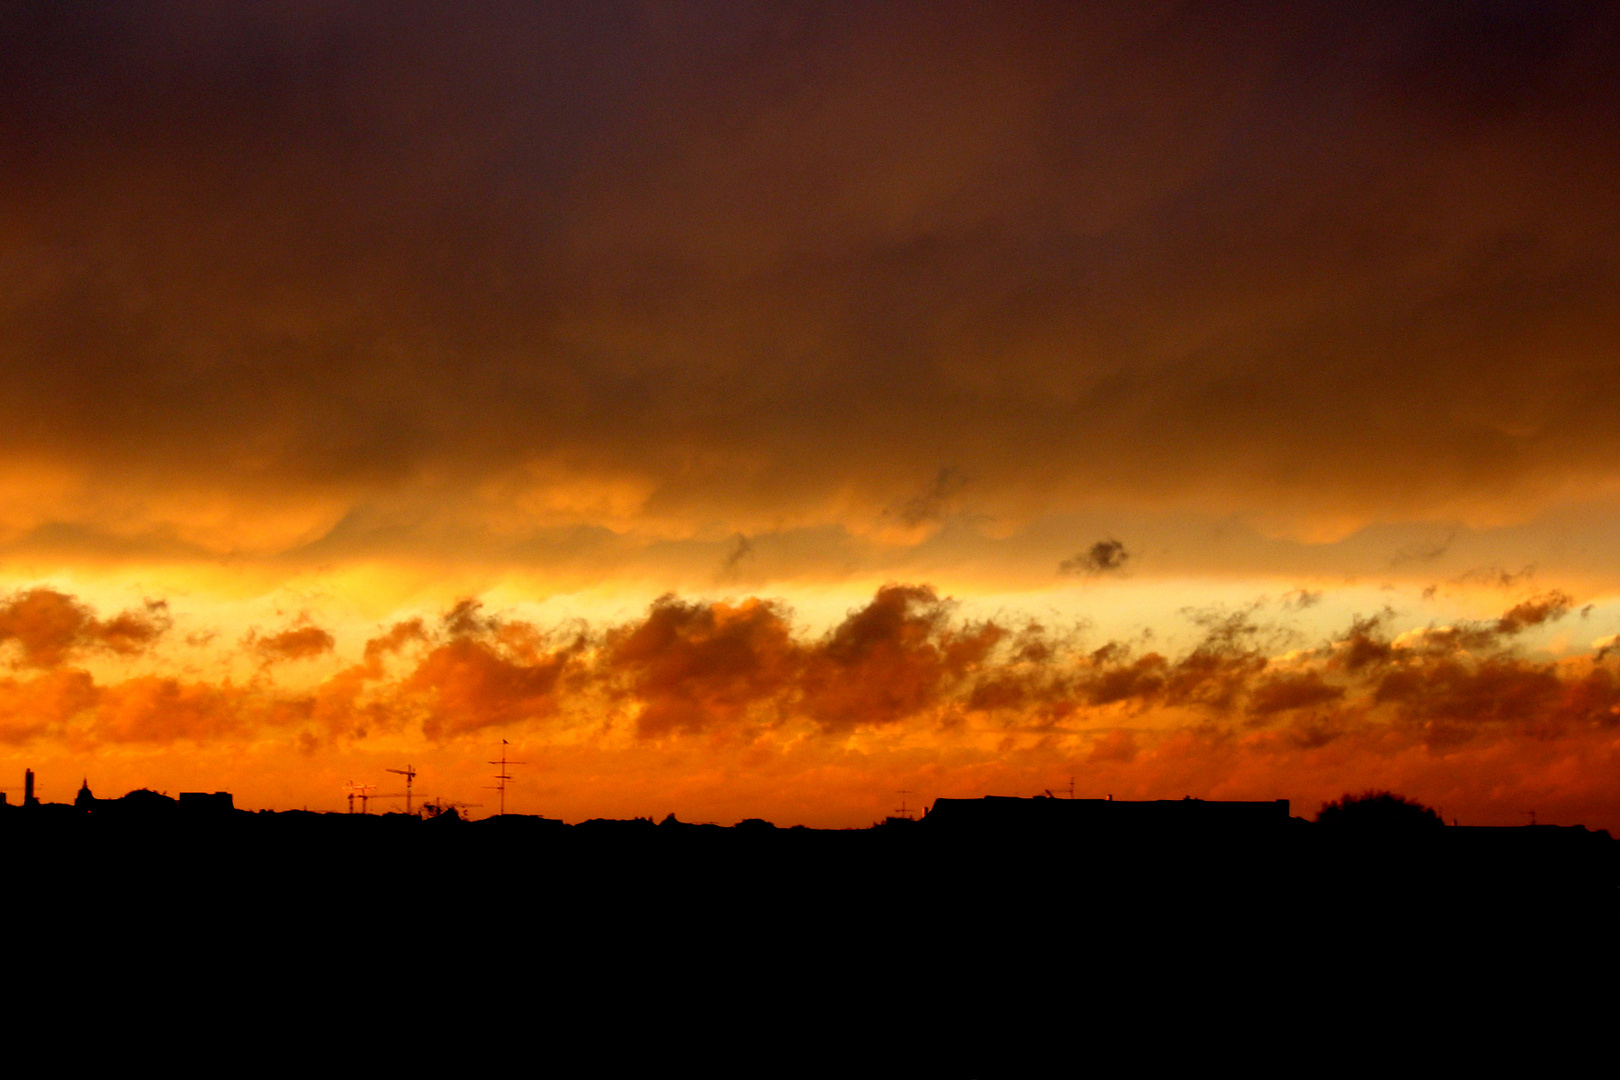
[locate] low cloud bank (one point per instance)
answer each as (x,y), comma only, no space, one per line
(1461,707)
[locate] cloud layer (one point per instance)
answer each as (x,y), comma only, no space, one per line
(295,274)
(781,293)
(901,678)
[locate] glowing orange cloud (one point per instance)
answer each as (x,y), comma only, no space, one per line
(49,627)
(901,683)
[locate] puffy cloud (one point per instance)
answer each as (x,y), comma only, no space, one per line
(1364,645)
(1117,678)
(1284,692)
(43,706)
(904,675)
(393,641)
(480,671)
(72,707)
(1548,607)
(690,667)
(50,627)
(895,658)
(298,643)
(162,710)
(466,685)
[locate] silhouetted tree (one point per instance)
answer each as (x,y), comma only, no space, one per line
(1381,810)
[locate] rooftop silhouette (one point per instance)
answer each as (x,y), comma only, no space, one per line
(1377,836)
(1030,908)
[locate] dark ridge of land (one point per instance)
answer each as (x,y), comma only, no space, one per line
(1003,858)
(998,939)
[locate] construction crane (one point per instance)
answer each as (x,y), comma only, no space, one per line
(365,793)
(362,790)
(409,773)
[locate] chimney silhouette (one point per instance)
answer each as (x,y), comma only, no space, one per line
(28,788)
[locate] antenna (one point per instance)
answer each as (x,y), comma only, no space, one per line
(409,773)
(501,777)
(903,812)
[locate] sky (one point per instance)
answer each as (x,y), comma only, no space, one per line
(743,409)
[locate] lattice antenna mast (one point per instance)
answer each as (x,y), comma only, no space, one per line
(502,777)
(409,773)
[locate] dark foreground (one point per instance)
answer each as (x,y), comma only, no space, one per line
(920,950)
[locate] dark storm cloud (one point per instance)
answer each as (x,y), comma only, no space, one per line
(761,259)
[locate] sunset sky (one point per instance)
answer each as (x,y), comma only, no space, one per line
(762,409)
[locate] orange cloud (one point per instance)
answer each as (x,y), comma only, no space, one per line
(152,709)
(1287,692)
(898,658)
(299,643)
(691,667)
(43,706)
(50,627)
(486,672)
(728,686)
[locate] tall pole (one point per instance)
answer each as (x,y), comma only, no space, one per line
(501,777)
